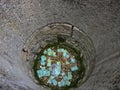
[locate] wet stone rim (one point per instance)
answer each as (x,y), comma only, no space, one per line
(65,36)
(59,66)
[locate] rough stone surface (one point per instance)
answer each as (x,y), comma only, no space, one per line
(100,19)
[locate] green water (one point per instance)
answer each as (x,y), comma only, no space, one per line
(80,73)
